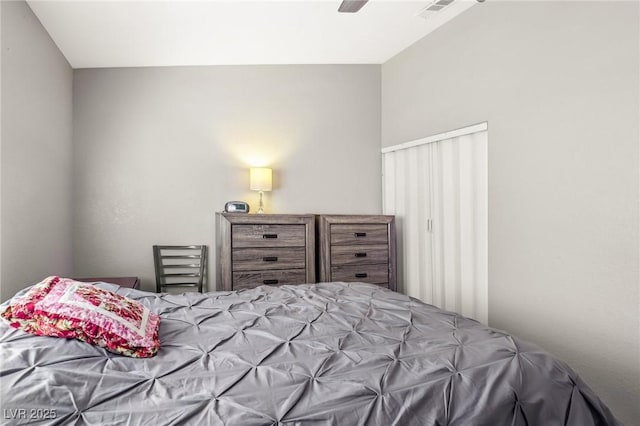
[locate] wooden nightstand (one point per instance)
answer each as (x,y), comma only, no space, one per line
(129,282)
(355,248)
(259,249)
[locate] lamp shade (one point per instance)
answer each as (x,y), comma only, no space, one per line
(260,179)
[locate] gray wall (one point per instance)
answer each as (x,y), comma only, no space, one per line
(159,150)
(558,83)
(36,152)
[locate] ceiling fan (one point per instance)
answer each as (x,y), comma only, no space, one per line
(351,6)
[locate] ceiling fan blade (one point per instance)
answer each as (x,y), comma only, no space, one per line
(351,6)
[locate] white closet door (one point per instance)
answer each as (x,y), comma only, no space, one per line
(417,243)
(438,193)
(407,195)
(460,231)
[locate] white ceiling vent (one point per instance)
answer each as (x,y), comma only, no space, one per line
(433,8)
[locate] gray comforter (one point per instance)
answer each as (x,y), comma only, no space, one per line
(323,354)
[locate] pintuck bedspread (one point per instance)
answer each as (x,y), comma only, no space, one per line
(315,354)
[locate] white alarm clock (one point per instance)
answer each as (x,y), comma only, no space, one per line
(236,207)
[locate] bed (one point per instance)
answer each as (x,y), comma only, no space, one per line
(313,354)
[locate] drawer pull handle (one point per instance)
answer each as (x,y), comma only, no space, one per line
(359,234)
(270,259)
(360,254)
(269,282)
(269,236)
(361,275)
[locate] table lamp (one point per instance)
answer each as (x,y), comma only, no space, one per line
(260,180)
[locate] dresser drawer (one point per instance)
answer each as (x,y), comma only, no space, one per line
(350,234)
(359,255)
(258,259)
(373,274)
(268,236)
(251,279)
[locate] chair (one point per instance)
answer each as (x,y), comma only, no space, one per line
(179,266)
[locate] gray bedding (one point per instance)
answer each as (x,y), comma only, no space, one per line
(323,354)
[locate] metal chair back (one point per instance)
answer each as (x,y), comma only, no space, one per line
(179,266)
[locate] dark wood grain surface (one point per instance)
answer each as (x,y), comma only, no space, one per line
(264,249)
(258,235)
(350,234)
(342,241)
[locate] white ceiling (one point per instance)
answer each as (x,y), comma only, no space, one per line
(95,34)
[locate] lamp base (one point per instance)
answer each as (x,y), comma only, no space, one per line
(261,207)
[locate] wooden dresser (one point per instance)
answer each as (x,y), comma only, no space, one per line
(357,248)
(259,249)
